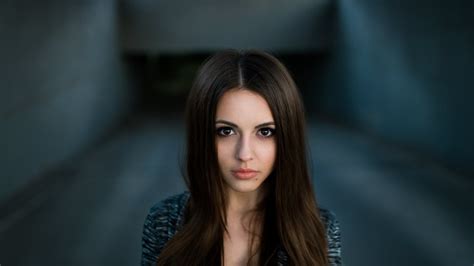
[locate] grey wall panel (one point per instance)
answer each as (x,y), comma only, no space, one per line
(183,25)
(61,84)
(405,70)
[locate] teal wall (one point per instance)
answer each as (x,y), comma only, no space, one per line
(61,84)
(404,70)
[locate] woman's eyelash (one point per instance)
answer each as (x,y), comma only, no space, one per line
(269,132)
(221,131)
(265,132)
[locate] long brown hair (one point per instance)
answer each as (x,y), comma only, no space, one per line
(290,215)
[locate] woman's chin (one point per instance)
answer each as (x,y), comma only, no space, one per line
(243,188)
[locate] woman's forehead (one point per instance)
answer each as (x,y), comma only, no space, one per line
(243,108)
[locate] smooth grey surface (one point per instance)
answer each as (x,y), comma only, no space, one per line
(395,208)
(62,84)
(93,214)
(190,26)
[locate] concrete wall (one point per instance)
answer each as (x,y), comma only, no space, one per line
(404,70)
(61,84)
(190,26)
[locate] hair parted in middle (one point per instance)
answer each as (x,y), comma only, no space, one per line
(288,213)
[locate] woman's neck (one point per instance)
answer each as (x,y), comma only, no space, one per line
(242,228)
(240,203)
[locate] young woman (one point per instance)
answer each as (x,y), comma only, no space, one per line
(250,198)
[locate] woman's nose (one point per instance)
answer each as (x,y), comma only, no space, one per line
(244,149)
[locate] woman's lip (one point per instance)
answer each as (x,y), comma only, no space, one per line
(244,174)
(244,170)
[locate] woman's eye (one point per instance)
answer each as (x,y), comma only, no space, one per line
(225,131)
(267,132)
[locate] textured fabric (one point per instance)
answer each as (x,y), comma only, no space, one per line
(165,219)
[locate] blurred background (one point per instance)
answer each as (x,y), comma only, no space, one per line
(91,130)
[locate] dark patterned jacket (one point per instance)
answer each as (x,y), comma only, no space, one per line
(166,217)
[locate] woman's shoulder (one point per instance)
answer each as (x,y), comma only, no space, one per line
(161,224)
(170,211)
(333,232)
(171,206)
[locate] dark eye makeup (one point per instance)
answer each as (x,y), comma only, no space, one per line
(225,131)
(265,132)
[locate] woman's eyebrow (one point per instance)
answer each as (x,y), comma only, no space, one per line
(234,125)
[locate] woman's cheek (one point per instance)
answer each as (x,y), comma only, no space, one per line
(225,149)
(267,152)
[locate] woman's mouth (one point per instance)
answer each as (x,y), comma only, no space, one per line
(244,173)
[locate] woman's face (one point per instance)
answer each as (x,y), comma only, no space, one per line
(245,139)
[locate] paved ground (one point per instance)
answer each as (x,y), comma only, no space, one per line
(395,208)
